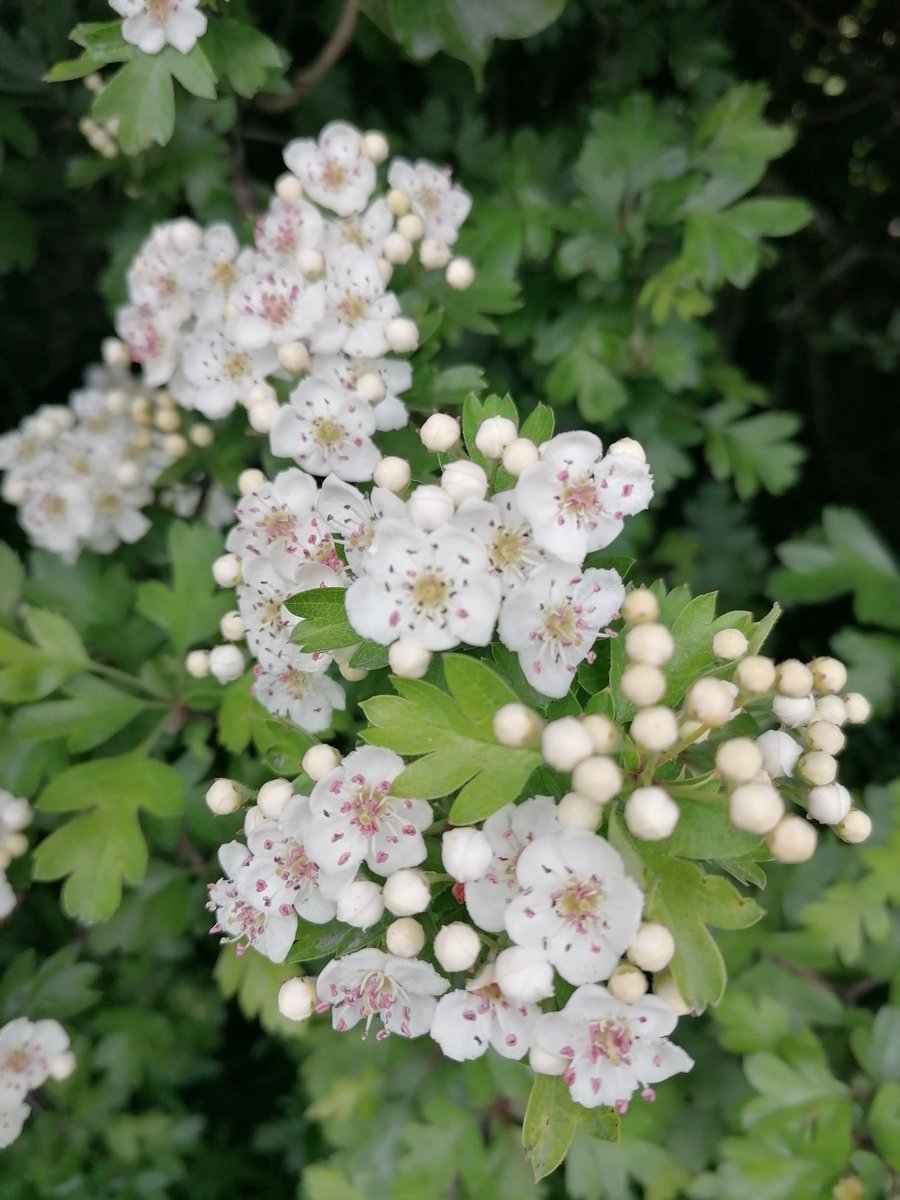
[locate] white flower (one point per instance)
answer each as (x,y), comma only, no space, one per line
(612,1048)
(553,620)
(57,516)
(278,521)
(500,524)
(210,272)
(358,307)
(577,904)
(270,932)
(326,430)
(12,1120)
(434,589)
(466,1022)
(217,374)
(395,374)
(294,685)
(152,24)
(509,831)
(154,343)
(440,204)
(288,227)
(26,1050)
(154,279)
(353,517)
(334,171)
(275,306)
(576,499)
(260,597)
(7,896)
(369,984)
(366,231)
(358,818)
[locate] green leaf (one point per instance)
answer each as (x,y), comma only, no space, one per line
(192,70)
(883,1120)
(805,1087)
(241,54)
(12,576)
(190,609)
(254,981)
(551,1121)
(370,657)
(324,625)
(877,1049)
(140,96)
(331,940)
(757,451)
(94,711)
(771,216)
(539,424)
(59,987)
(55,636)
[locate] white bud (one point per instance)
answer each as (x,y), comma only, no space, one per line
(370,387)
(832,709)
(793,678)
(374,145)
(115,353)
(755,675)
(297,999)
(597,778)
(779,752)
(829,674)
(319,760)
(202,435)
(628,445)
(649,643)
(407,659)
(729,644)
(604,734)
(542,1062)
(250,480)
(642,684)
(464,480)
(411,227)
(755,808)
(433,255)
(262,415)
(14,846)
(231,626)
(227,570)
(564,743)
(402,335)
(167,421)
(288,188)
(518,455)
(197,664)
(855,827)
(640,606)
(440,432)
(627,984)
(515,725)
(654,728)
(793,840)
(273,798)
(429,507)
(397,249)
(185,234)
(460,274)
(494,435)
(352,674)
(294,357)
(665,987)
(651,813)
(404,938)
(739,760)
(260,393)
(653,947)
(829,803)
(117,402)
(822,735)
(794,711)
(578,812)
(392,473)
(127,474)
(710,702)
(360,904)
(398,202)
(466,854)
(523,975)
(818,768)
(175,445)
(62,1065)
(224,796)
(406,893)
(226,663)
(456,946)
(310,262)
(386,269)
(857,707)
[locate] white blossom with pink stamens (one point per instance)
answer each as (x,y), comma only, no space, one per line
(275,305)
(370,984)
(467,1022)
(270,932)
(334,170)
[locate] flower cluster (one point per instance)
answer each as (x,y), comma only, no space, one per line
(31,1052)
(80,473)
(15,815)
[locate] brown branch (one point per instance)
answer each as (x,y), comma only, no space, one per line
(313,74)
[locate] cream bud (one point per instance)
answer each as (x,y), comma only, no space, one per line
(710,702)
(433,254)
(294,357)
(597,778)
(855,827)
(564,743)
(649,643)
(627,984)
(755,675)
(288,188)
(793,678)
(494,435)
(297,999)
(411,227)
(226,663)
(407,659)
(360,904)
(456,946)
(250,480)
(402,335)
(464,480)
(523,975)
(779,751)
(319,760)
(755,808)
(466,854)
(224,796)
(370,387)
(665,987)
(793,840)
(231,626)
(651,814)
(829,674)
(392,473)
(822,735)
(642,684)
(829,804)
(518,455)
(818,768)
(272,798)
(405,938)
(653,947)
(578,812)
(429,506)
(794,711)
(604,733)
(739,760)
(398,202)
(375,146)
(542,1062)
(460,274)
(440,433)
(227,570)
(197,664)
(857,707)
(406,893)
(630,446)
(729,644)
(654,728)
(640,605)
(515,725)
(397,249)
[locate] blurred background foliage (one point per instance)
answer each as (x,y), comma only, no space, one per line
(685,230)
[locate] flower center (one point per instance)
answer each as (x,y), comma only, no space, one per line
(17,1060)
(276,309)
(296,682)
(577,496)
(158,10)
(278,523)
(236,365)
(561,625)
(611,1041)
(507,548)
(334,174)
(429,199)
(54,507)
(296,868)
(431,591)
(367,806)
(223,276)
(329,433)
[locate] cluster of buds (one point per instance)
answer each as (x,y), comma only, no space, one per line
(101,136)
(15,816)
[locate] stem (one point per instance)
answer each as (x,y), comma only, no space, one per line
(125,679)
(313,74)
(679,746)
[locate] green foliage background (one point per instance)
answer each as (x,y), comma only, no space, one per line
(684,232)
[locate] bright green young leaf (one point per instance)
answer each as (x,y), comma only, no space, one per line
(92,713)
(140,96)
(241,54)
(189,609)
(325,625)
(192,70)
(332,940)
(883,1119)
(805,1087)
(55,636)
(551,1121)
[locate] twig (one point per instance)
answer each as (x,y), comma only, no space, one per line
(313,74)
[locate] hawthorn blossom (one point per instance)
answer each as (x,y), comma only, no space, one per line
(358,817)
(358,307)
(7,898)
(500,524)
(440,204)
(154,342)
(211,271)
(271,932)
(217,374)
(155,282)
(12,1121)
(577,904)
(395,374)
(353,517)
(326,430)
(152,24)
(27,1051)
(334,170)
(433,588)
(274,306)
(56,515)
(466,1022)
(287,227)
(277,521)
(576,499)
(260,599)
(612,1049)
(366,230)
(553,619)
(509,831)
(294,685)
(400,992)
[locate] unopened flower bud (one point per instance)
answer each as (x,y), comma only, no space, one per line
(319,760)
(440,433)
(397,249)
(297,999)
(404,938)
(855,827)
(515,725)
(818,768)
(649,643)
(630,446)
(627,984)
(494,435)
(518,455)
(464,480)
(755,808)
(406,893)
(288,188)
(175,445)
(360,904)
(460,274)
(429,507)
(407,659)
(793,678)
(311,262)
(202,435)
(197,664)
(654,728)
(665,987)
(273,797)
(651,814)
(456,946)
(640,606)
(578,812)
(411,227)
(523,975)
(829,674)
(710,701)
(739,760)
(794,711)
(263,414)
(224,796)
(822,735)
(115,353)
(370,387)
(167,420)
(603,732)
(351,674)
(831,709)
(597,778)
(386,270)
(542,1062)
(779,752)
(260,393)
(729,644)
(793,840)
(466,854)
(294,357)
(231,626)
(402,335)
(227,570)
(829,803)
(564,743)
(250,480)
(62,1065)
(375,146)
(433,254)
(392,473)
(186,235)
(642,684)
(226,663)
(653,947)
(398,202)
(755,675)
(857,707)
